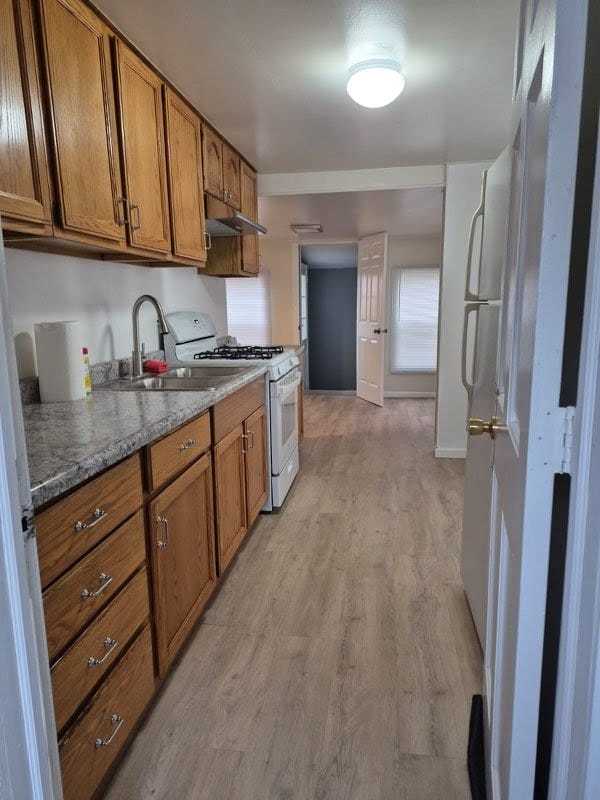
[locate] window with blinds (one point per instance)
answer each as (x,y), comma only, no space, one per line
(249,309)
(414,323)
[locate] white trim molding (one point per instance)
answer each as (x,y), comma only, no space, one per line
(396,394)
(450,452)
(354,180)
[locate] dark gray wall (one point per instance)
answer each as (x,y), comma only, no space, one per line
(332,328)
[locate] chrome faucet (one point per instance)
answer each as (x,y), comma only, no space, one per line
(137,355)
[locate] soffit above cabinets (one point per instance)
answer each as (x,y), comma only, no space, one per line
(271,76)
(414,213)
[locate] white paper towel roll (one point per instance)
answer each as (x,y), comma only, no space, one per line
(59,361)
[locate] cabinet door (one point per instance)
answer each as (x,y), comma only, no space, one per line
(255,438)
(24,183)
(142,128)
(232,188)
(249,209)
(231,495)
(182,531)
(82,106)
(213,163)
(186,184)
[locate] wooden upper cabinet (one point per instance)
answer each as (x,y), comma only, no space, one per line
(182,537)
(249,199)
(232,189)
(255,433)
(186,185)
(82,110)
(143,139)
(24,182)
(213,162)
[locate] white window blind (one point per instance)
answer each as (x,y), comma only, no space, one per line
(249,309)
(414,328)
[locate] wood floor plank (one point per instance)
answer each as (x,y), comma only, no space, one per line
(339,658)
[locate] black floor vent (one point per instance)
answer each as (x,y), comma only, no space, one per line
(476,752)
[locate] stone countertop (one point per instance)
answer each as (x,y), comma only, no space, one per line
(67,443)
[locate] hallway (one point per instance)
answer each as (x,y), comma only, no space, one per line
(339,658)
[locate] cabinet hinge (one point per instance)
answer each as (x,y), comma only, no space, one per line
(566,440)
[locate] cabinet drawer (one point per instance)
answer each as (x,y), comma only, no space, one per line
(71,527)
(95,740)
(76,598)
(229,413)
(89,658)
(171,454)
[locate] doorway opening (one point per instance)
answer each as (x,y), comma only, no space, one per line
(328,316)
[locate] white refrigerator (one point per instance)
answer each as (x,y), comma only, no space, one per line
(483,294)
(29,765)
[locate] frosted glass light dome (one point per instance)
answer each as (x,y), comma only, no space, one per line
(377,83)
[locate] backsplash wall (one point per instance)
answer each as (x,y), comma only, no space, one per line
(48,288)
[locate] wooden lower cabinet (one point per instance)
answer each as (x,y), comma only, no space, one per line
(255,431)
(181,540)
(99,618)
(75,599)
(96,738)
(241,481)
(99,647)
(230,492)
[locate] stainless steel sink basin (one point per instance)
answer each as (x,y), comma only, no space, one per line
(199,379)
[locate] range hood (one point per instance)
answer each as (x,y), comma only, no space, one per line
(223,220)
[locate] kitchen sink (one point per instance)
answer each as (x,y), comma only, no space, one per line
(182,379)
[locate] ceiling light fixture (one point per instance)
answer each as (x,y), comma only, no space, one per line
(306,227)
(375,83)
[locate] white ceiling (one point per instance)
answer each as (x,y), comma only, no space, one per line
(271,75)
(349,215)
(329,256)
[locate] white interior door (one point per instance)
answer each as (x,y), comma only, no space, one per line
(371,309)
(528,453)
(476,514)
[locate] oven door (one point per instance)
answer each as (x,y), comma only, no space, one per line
(284,419)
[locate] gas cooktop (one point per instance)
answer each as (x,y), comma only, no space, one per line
(248,353)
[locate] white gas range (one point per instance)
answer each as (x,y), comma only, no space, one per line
(192,342)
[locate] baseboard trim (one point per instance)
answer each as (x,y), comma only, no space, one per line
(414,395)
(450,452)
(343,392)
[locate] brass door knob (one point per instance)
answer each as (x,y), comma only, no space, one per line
(477,427)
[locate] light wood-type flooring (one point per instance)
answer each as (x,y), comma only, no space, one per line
(339,658)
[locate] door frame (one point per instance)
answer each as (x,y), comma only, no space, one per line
(299,245)
(574,772)
(22,634)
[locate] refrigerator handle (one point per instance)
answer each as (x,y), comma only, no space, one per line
(469,309)
(479,213)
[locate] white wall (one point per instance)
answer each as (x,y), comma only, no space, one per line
(281,258)
(404,252)
(463,192)
(47,288)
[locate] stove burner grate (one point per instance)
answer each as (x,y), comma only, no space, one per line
(249,353)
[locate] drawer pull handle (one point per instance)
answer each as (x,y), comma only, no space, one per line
(105,580)
(109,646)
(116,720)
(187,444)
(96,517)
(135,226)
(162,543)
